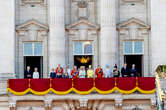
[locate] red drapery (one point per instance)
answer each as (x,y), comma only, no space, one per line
(18,85)
(82,85)
(61,84)
(126,83)
(105,84)
(146,85)
(40,85)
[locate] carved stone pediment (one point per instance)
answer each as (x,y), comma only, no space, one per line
(32,30)
(83,24)
(133,21)
(133,28)
(32,1)
(32,23)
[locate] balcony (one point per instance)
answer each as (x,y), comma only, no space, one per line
(82,86)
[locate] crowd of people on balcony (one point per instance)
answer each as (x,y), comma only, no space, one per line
(60,72)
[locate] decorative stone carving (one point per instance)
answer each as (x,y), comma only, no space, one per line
(82,4)
(33,29)
(133,31)
(118,102)
(32,2)
(133,28)
(82,24)
(82,9)
(83,103)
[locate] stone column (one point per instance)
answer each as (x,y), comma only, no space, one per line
(56,33)
(108,38)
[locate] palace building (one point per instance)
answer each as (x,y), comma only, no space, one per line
(45,33)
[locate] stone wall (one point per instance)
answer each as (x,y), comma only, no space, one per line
(7,36)
(93,11)
(158,16)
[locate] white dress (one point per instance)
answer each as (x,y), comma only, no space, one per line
(36,75)
(82,74)
(69,73)
(108,73)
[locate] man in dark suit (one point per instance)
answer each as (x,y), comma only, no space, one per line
(133,71)
(28,73)
(124,71)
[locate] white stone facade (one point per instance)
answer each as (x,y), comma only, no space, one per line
(57,23)
(107,23)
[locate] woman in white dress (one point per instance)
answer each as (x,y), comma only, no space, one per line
(108,72)
(35,73)
(82,72)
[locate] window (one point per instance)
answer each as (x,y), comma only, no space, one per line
(38,49)
(128,47)
(83,48)
(138,47)
(33,49)
(28,49)
(77,47)
(133,47)
(88,49)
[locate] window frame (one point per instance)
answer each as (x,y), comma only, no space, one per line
(133,48)
(83,50)
(33,49)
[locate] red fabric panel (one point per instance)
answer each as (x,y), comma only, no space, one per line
(126,83)
(83,84)
(18,85)
(146,83)
(105,84)
(62,84)
(40,85)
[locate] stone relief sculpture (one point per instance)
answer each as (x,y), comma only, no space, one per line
(82,9)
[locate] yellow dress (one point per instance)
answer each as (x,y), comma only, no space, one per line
(90,73)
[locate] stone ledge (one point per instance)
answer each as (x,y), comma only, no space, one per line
(77,96)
